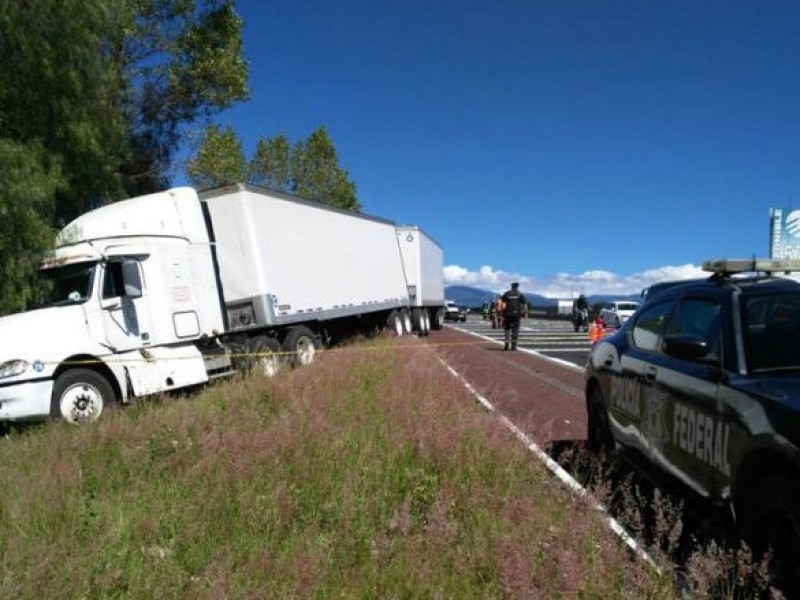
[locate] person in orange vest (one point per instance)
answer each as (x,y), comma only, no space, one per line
(499,307)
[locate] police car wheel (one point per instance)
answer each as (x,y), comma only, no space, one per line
(599,436)
(771,521)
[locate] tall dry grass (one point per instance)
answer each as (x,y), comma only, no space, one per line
(372,473)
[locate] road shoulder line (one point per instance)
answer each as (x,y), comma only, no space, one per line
(553,466)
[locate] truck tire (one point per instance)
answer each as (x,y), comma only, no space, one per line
(79,396)
(265,355)
(421,321)
(395,323)
(301,344)
(438,318)
(405,317)
(426,316)
(416,320)
(770,520)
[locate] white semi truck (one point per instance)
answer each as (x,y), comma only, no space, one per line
(172,289)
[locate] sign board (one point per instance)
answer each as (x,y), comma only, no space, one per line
(784,233)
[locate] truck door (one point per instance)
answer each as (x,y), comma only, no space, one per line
(126,318)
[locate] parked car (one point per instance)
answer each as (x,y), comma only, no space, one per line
(702,385)
(454,312)
(615,313)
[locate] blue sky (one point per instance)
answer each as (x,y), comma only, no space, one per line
(575,146)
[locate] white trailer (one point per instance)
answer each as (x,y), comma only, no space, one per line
(423,261)
(168,290)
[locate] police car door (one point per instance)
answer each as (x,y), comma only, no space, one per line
(685,429)
(631,408)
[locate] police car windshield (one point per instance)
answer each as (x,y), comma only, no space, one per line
(771,327)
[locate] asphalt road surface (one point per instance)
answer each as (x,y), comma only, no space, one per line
(555,339)
(539,387)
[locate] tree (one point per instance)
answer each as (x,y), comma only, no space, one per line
(270,166)
(110,87)
(28,179)
(57,92)
(219,161)
(316,173)
(177,62)
(309,169)
(94,97)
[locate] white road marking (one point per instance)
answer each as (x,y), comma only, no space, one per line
(556,469)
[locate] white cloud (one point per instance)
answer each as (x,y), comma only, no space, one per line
(484,278)
(567,285)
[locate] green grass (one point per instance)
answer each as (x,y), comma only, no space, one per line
(370,474)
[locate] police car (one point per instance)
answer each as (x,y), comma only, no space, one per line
(703,383)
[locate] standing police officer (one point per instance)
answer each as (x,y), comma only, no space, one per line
(514,303)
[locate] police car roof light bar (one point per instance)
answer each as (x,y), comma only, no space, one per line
(728,266)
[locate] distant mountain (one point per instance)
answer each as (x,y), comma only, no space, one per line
(474,297)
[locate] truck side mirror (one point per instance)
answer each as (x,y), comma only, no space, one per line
(131,278)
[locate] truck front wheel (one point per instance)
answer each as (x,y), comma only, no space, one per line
(79,396)
(302,345)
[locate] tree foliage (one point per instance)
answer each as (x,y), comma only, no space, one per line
(28,180)
(107,86)
(177,62)
(57,92)
(270,165)
(98,94)
(309,168)
(220,160)
(316,172)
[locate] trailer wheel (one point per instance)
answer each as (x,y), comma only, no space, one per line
(426,320)
(438,319)
(395,323)
(79,396)
(264,355)
(405,317)
(302,345)
(418,320)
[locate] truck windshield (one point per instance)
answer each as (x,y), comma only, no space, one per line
(771,326)
(70,284)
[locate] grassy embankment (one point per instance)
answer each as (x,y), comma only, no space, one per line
(371,474)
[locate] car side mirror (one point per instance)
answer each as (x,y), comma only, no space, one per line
(131,278)
(687,347)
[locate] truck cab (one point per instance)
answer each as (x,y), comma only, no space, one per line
(132,291)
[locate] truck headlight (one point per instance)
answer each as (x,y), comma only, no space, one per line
(13,367)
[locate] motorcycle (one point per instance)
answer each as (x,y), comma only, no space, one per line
(580,319)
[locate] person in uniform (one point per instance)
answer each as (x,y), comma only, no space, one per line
(514,306)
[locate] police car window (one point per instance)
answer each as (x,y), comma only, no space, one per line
(699,318)
(771,326)
(649,324)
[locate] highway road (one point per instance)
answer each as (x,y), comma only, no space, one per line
(555,339)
